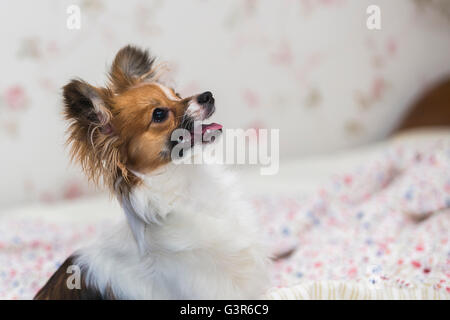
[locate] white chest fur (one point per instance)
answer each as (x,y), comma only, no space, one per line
(191,237)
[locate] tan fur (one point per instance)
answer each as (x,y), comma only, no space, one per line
(146,140)
(119,134)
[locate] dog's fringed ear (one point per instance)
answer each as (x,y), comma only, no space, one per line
(131,66)
(91,134)
(85,106)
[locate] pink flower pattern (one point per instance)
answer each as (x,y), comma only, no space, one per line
(386,222)
(264,59)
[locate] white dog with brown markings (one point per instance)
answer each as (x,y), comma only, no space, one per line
(187,234)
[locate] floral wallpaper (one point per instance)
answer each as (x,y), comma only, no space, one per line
(308,67)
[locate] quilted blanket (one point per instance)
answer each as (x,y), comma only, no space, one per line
(380,231)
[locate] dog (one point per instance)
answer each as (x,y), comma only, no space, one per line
(186,232)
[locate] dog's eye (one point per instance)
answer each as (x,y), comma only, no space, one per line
(159,115)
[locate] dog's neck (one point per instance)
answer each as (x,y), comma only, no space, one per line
(181,188)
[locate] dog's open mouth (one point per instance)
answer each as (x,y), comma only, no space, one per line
(208,132)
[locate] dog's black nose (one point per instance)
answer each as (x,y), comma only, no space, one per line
(205,98)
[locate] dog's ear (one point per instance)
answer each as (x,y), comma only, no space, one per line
(91,133)
(85,106)
(131,66)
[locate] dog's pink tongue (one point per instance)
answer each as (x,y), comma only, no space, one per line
(211,126)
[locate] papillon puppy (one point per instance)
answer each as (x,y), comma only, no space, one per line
(186,232)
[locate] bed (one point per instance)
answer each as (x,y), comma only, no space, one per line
(369,223)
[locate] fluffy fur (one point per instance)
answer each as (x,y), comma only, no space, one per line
(186,233)
(199,241)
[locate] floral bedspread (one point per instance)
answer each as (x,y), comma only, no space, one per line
(383,226)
